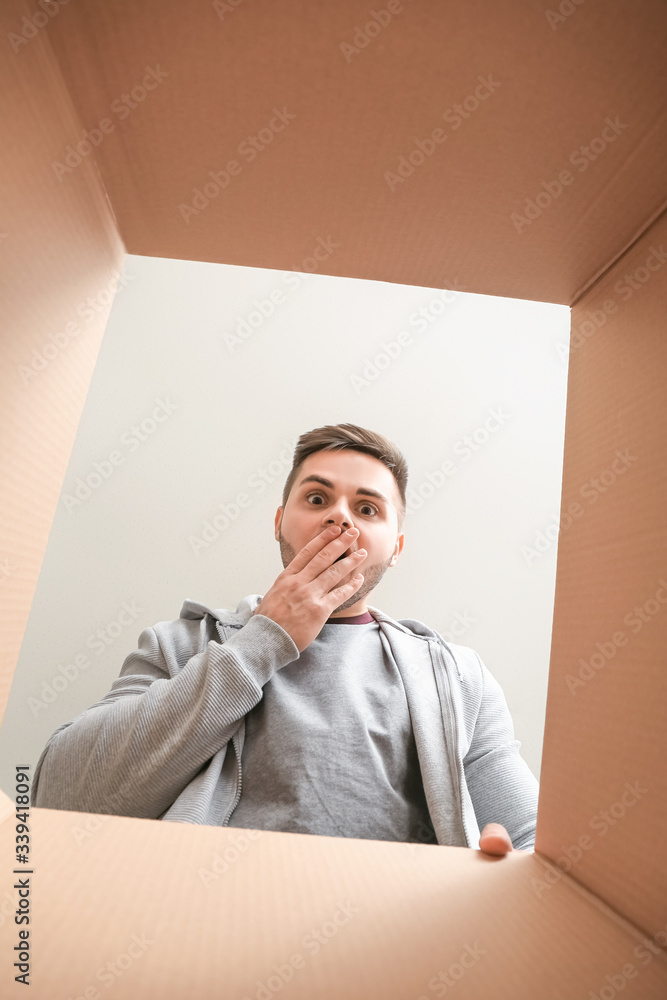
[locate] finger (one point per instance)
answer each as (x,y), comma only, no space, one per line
(338,570)
(315,545)
(495,840)
(340,594)
(324,559)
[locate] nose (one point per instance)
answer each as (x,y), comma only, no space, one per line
(340,516)
(343,523)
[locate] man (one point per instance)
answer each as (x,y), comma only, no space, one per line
(304,710)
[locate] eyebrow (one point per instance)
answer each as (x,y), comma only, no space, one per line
(362,491)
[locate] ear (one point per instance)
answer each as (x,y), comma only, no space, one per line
(398,549)
(278,521)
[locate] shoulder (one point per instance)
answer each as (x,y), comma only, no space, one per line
(464,655)
(197,625)
(181,638)
(467,664)
(463,661)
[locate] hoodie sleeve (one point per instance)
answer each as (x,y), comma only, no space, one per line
(502,787)
(134,751)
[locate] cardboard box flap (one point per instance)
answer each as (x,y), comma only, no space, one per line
(61,258)
(477,110)
(603,783)
(333,138)
(169,909)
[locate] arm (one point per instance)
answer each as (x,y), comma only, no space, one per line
(134,751)
(502,787)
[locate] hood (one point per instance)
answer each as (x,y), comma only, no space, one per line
(245,607)
(195,609)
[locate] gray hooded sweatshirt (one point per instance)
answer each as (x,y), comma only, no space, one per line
(169,740)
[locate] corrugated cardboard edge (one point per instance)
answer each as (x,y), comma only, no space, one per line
(224,908)
(62,245)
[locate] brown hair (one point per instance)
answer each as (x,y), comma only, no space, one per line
(335,437)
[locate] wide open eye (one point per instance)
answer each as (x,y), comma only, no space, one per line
(372,510)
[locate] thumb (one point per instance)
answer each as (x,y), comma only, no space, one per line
(495,840)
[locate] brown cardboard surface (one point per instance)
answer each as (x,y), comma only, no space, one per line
(449,223)
(605,731)
(545,933)
(214,912)
(59,246)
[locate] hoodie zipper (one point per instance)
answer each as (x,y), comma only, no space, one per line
(239,781)
(223,634)
(446,700)
(447,703)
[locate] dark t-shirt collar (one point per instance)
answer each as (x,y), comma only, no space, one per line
(353,620)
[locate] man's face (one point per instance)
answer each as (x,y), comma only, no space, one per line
(347,498)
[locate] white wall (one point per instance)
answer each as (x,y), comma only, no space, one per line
(238,410)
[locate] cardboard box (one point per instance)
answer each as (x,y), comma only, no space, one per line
(517,147)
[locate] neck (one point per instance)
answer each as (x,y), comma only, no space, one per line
(357,609)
